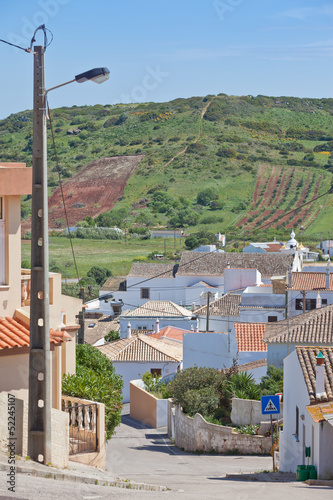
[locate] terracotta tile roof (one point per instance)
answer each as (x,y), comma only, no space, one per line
(307,360)
(228,305)
(312,327)
(142,348)
(14,333)
(320,411)
(249,336)
(310,281)
(147,270)
(214,264)
(103,325)
(158,308)
(273,247)
(170,332)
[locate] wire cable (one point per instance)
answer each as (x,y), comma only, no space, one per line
(33,39)
(61,189)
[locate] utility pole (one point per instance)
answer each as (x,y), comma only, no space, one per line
(304,301)
(39,415)
(207,316)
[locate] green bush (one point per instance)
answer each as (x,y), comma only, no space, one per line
(207,195)
(201,390)
(99,274)
(96,380)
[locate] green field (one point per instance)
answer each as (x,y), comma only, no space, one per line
(117,256)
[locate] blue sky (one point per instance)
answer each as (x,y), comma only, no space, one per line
(160,50)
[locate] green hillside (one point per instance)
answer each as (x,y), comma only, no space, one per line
(225,143)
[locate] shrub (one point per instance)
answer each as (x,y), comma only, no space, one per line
(202,390)
(99,274)
(207,195)
(111,336)
(96,381)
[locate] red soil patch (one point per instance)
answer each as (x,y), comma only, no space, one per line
(93,190)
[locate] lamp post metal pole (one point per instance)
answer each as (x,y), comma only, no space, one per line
(39,417)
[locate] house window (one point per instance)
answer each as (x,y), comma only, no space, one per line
(145,293)
(2,242)
(309,304)
(156,372)
(272,319)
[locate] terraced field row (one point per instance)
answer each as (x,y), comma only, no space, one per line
(280,189)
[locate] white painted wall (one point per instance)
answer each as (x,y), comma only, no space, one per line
(295,394)
(214,350)
(256,315)
(133,370)
(240,278)
(218,324)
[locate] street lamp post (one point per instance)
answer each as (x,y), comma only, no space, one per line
(39,416)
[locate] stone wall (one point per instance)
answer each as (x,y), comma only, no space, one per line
(195,434)
(59,431)
(248,412)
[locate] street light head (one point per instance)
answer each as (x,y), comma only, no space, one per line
(98,75)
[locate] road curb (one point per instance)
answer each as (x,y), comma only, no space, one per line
(76,478)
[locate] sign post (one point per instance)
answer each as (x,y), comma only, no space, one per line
(270,405)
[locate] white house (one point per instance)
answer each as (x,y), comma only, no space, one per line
(316,288)
(308,410)
(184,283)
(290,247)
(222,313)
(311,328)
(137,354)
(165,312)
(326,247)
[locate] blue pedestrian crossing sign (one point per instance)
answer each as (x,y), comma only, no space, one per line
(270,405)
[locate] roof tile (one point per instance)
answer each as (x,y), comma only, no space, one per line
(315,327)
(249,336)
(158,308)
(307,360)
(142,348)
(228,305)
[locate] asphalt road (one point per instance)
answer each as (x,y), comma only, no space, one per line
(146,455)
(141,454)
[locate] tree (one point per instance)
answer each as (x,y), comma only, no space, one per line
(205,196)
(100,274)
(191,242)
(111,336)
(96,380)
(272,382)
(201,390)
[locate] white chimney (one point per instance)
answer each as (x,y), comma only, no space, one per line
(157,329)
(320,376)
(197,327)
(318,301)
(328,275)
(193,306)
(129,331)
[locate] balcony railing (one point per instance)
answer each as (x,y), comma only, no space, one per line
(26,288)
(82,424)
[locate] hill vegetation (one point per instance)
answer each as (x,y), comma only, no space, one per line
(223,163)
